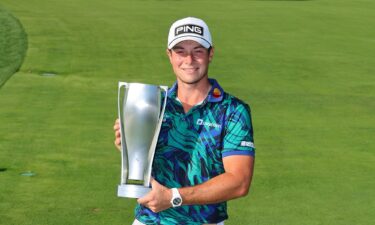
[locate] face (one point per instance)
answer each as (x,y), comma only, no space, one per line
(190,61)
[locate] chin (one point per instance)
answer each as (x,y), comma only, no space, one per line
(192,81)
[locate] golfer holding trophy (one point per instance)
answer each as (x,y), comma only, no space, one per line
(189,149)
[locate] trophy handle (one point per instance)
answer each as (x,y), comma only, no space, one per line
(147,176)
(124,157)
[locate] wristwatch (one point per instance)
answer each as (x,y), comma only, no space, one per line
(176,198)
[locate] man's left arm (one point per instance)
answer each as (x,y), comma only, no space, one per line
(233,183)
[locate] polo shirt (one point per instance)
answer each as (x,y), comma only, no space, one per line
(190,150)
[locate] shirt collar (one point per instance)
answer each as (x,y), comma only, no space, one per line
(214,95)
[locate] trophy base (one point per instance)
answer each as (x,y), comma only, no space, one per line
(132,191)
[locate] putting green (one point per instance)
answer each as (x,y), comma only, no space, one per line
(13,45)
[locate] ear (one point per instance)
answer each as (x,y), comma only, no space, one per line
(169,54)
(211,54)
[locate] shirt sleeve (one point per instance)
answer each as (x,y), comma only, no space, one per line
(238,136)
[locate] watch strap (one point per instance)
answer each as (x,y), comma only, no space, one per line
(176,198)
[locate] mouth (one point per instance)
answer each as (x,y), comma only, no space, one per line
(189,70)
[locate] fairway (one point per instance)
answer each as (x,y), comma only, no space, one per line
(305,67)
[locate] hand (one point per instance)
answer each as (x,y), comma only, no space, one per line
(116,128)
(158,199)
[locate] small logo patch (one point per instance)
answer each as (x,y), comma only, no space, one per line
(188,28)
(247,144)
(216,93)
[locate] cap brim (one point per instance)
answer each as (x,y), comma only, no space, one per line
(199,40)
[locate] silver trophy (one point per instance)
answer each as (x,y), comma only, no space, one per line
(141,113)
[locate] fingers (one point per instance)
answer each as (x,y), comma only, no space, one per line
(116,128)
(118,143)
(149,196)
(117,133)
(145,199)
(151,201)
(158,199)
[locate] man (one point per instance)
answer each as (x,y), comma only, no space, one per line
(205,151)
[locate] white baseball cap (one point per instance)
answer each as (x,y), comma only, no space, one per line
(189,28)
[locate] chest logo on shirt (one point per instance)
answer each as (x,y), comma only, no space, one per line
(200,122)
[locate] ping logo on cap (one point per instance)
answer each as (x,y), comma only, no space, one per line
(188,28)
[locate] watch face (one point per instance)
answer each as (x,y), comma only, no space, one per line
(176,201)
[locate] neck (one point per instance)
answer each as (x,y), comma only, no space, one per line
(192,94)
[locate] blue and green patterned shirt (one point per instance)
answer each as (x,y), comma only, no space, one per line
(190,150)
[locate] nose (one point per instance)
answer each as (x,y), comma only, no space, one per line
(189,58)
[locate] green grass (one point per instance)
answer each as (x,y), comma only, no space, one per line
(305,67)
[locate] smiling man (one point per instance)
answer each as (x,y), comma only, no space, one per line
(205,151)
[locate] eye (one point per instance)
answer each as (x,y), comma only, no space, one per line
(179,52)
(199,51)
